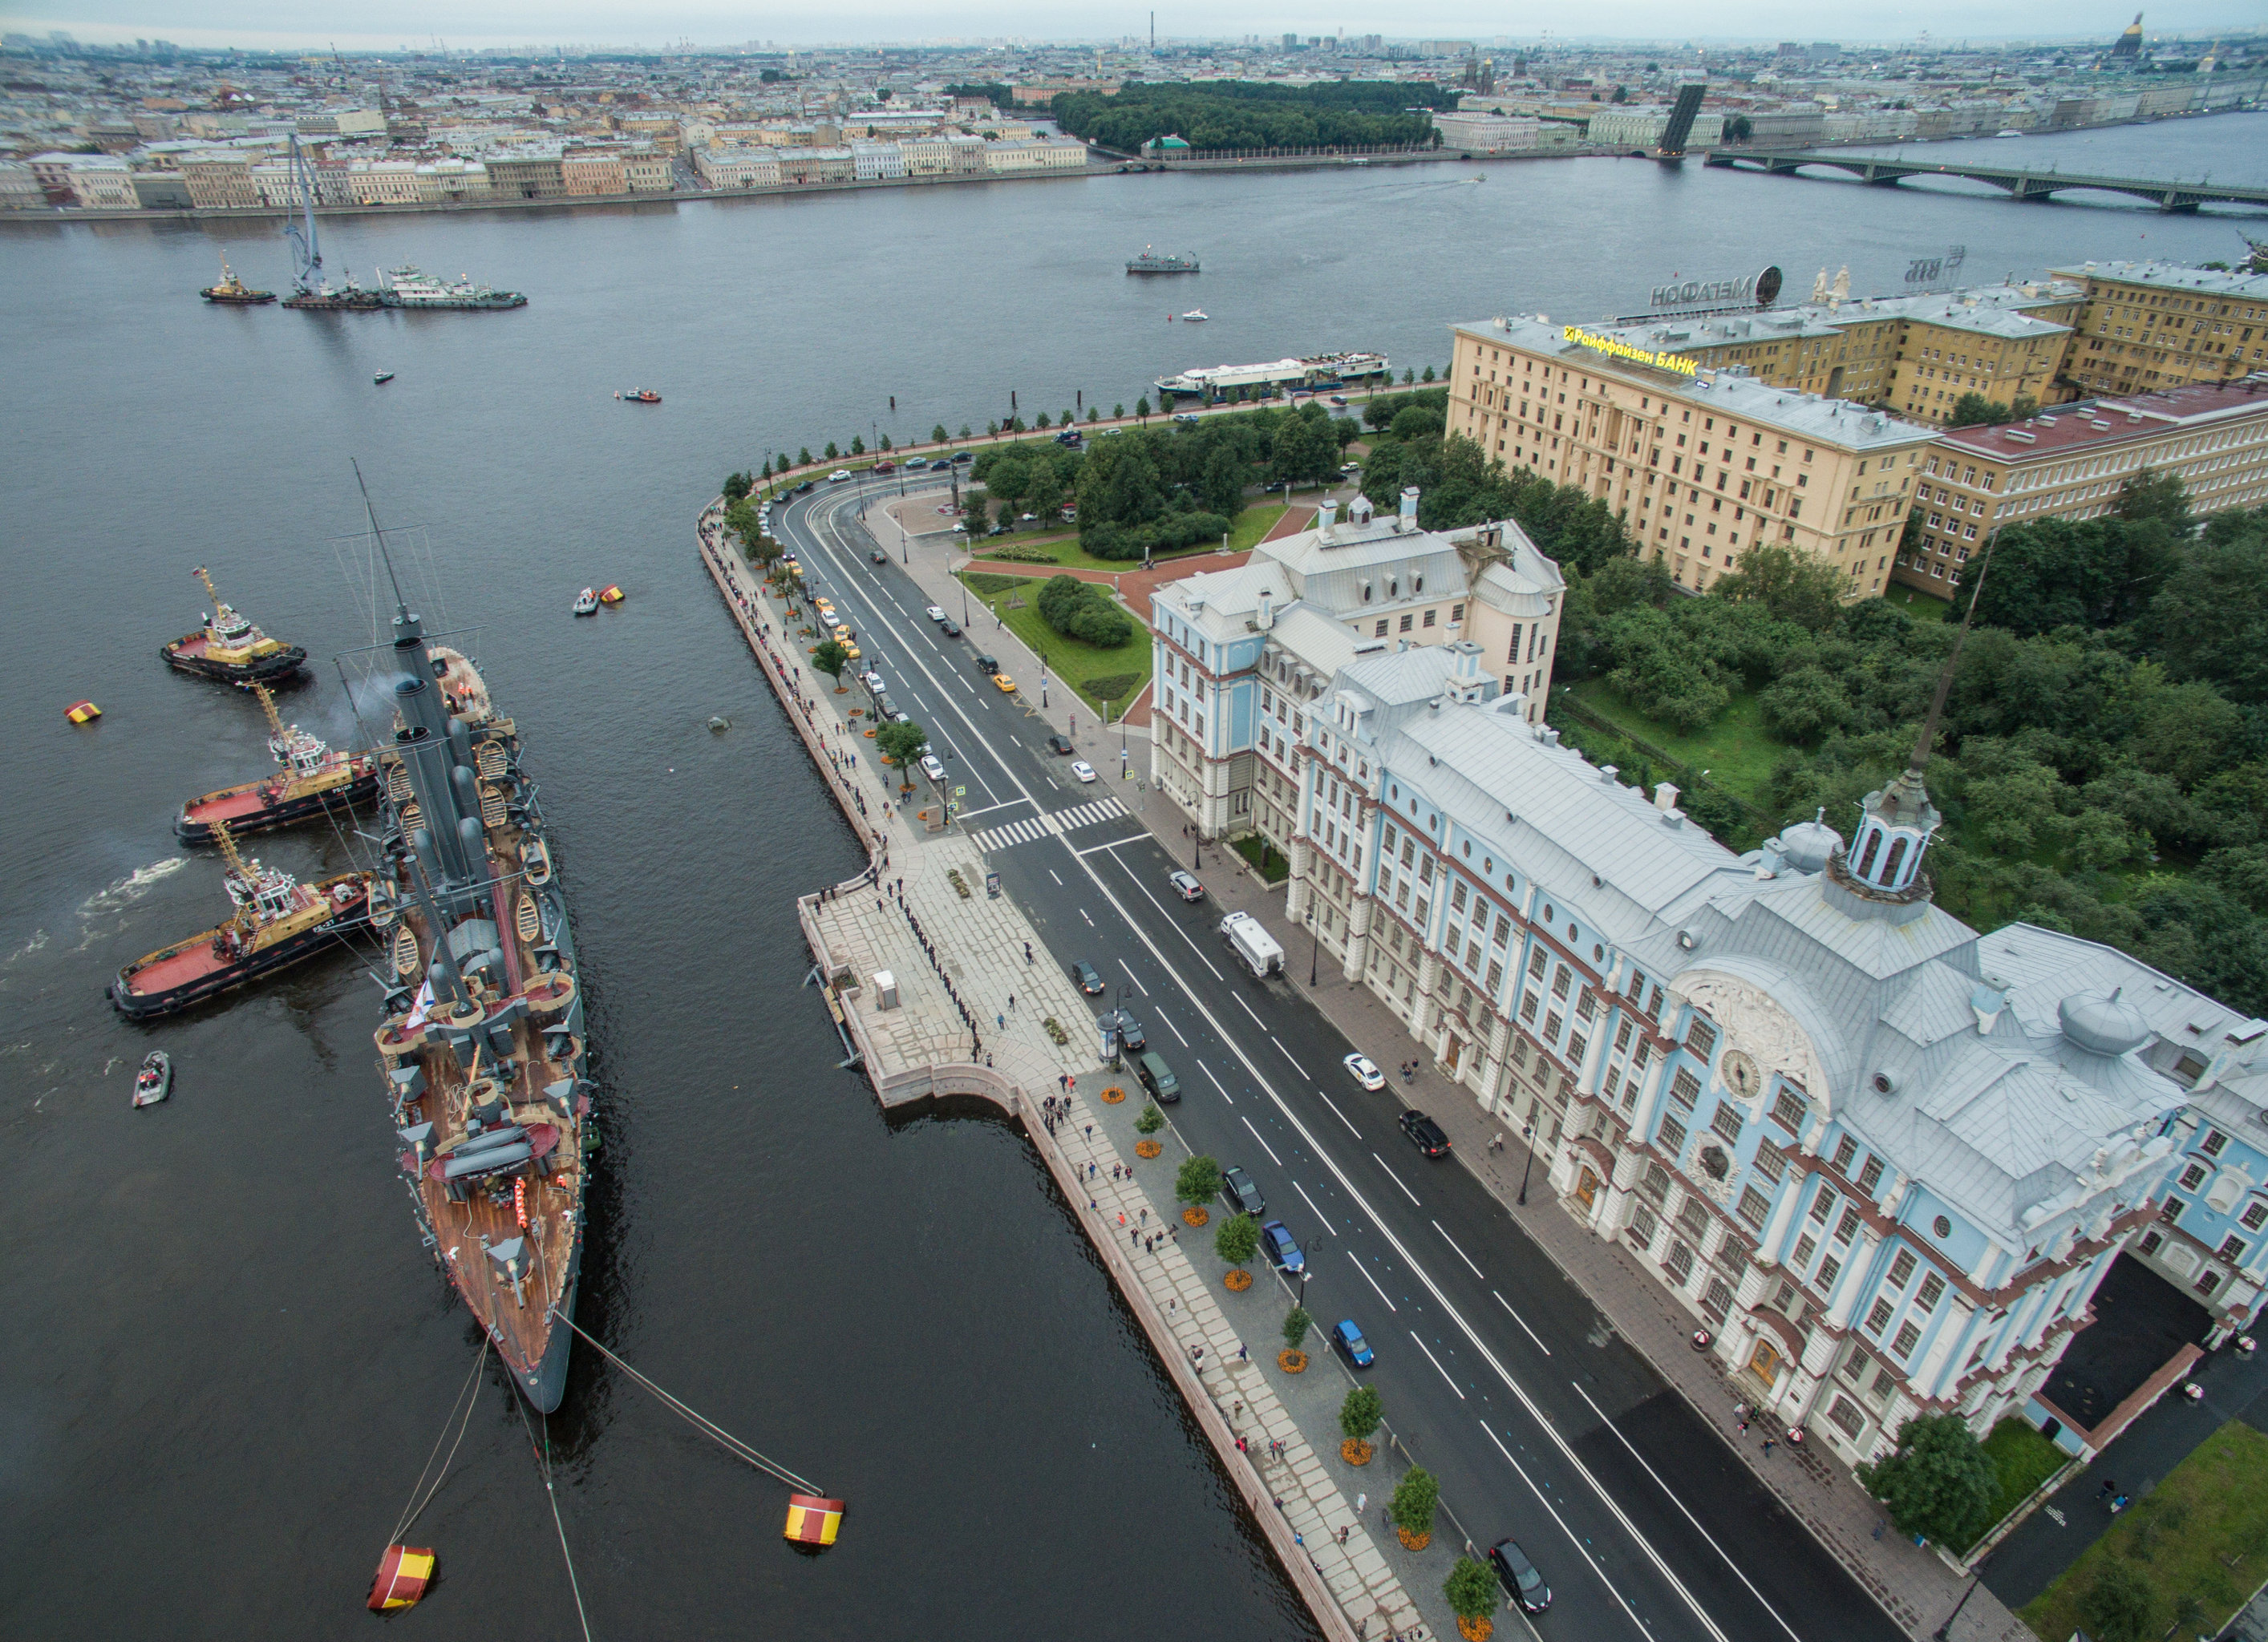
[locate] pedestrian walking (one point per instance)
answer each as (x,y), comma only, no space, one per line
(1241,1354)
(1000,1021)
(1769,1446)
(1027,952)
(1145,1217)
(1011,1001)
(1090,1132)
(1360,1500)
(1343,1528)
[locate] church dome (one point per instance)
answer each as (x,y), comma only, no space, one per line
(1808,844)
(2102,1023)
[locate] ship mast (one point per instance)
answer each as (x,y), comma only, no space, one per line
(274,723)
(212,592)
(238,871)
(306,250)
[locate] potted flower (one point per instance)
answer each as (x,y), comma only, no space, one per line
(1415,1498)
(1292,1359)
(1148,1123)
(1197,1185)
(1472,1590)
(1359,1416)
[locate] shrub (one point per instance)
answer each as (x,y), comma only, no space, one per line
(1238,1240)
(1361,1414)
(1415,1498)
(1472,1589)
(1296,1323)
(1152,1119)
(1079,610)
(2119,1606)
(1111,686)
(1198,1181)
(1938,1483)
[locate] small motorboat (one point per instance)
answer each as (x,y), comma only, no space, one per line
(155,1081)
(586,602)
(640,396)
(382,377)
(1194,314)
(2012,132)
(611,595)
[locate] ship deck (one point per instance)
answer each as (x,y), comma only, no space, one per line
(177,966)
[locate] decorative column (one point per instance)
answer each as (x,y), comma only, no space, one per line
(1854,1285)
(1500,1044)
(1300,893)
(1358,938)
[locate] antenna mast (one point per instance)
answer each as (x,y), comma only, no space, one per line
(400,604)
(306,249)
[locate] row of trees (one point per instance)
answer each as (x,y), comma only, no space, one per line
(1241,114)
(1161,490)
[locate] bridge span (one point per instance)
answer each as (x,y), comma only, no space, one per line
(2018,182)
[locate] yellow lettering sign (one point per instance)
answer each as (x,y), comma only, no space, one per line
(1621,349)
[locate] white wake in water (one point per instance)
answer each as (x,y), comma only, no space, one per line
(130,888)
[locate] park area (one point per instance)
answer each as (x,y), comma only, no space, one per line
(1109,677)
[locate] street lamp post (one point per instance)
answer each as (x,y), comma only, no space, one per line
(1946,1630)
(1314,940)
(1527,1139)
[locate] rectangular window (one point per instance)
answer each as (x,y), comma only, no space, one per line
(1537,963)
(1457,896)
(1655,1184)
(1855,1366)
(1805,1248)
(1870,1178)
(1878,1317)
(1932,1290)
(2194,1177)
(1577,1044)
(1701,1038)
(1680,1261)
(1643,1226)
(1587,1005)
(1830,1269)
(1909,1337)
(1694,1217)
(1847,1416)
(1845,1149)
(1636,987)
(1727,1121)
(2215,1140)
(1719,1300)
(1788,1112)
(1495,977)
(1621,1036)
(1562,982)
(2231,1250)
(2255,1216)
(1528,1010)
(1902,1269)
(1685,1088)
(1551,1025)
(1754,1206)
(1672,1139)
(1769,1161)
(1822,1206)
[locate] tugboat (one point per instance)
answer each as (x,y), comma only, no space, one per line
(155,1081)
(230,648)
(312,779)
(278,921)
(234,292)
(639,396)
(486,1061)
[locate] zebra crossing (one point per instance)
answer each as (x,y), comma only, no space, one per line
(1053,824)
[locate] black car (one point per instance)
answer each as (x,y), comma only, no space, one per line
(961,459)
(1424,1134)
(878,556)
(1157,1077)
(806,485)
(1059,744)
(1132,1037)
(1089,979)
(988,665)
(948,628)
(1522,1581)
(1243,1196)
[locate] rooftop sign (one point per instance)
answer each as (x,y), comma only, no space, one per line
(1621,349)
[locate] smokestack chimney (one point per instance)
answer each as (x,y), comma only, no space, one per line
(1326,516)
(1409,507)
(1266,619)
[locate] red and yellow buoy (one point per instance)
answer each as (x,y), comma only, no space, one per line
(82,712)
(611,595)
(812,1520)
(403,1573)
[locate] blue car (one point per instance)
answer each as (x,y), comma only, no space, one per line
(1352,1345)
(1281,1248)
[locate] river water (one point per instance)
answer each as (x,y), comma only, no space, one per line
(227,1354)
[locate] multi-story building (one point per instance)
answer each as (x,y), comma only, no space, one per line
(1011,158)
(1951,346)
(219,180)
(815,165)
(1701,466)
(526,176)
(19,189)
(1488,134)
(1641,129)
(103,182)
(737,167)
(452,182)
(1882,1160)
(383,183)
(872,161)
(2072,462)
(2151,325)
(591,172)
(926,157)
(1235,651)
(648,170)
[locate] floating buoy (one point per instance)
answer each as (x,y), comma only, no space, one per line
(82,712)
(403,1573)
(812,1520)
(610,595)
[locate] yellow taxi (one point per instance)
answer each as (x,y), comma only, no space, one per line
(851,650)
(841,635)
(1004,684)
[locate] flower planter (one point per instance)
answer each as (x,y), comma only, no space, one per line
(1237,1281)
(1147,1148)
(1195,1216)
(1413,1542)
(1291,1362)
(1355,1452)
(1112,1095)
(1477,1630)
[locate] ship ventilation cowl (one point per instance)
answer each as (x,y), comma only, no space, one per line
(2102,1023)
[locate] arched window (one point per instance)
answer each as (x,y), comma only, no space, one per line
(1866,859)
(1890,867)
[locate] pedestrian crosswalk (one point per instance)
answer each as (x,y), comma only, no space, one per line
(1054,823)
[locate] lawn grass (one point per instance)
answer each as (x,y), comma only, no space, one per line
(1920,605)
(1069,659)
(1244,533)
(2023,1460)
(2201,1534)
(1734,748)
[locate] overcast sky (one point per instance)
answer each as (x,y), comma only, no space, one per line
(269,24)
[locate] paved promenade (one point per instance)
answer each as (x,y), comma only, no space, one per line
(957,960)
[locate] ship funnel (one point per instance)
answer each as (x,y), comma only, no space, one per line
(461,743)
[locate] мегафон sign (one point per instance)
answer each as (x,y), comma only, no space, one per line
(1761,289)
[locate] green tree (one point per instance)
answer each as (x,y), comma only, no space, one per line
(1428,376)
(1472,1587)
(1142,408)
(1415,1499)
(1043,423)
(737,486)
(2051,573)
(2151,494)
(1974,410)
(831,658)
(991,429)
(2119,1606)
(1296,1323)
(2210,620)
(901,742)
(1739,128)
(1199,1180)
(858,444)
(1361,1414)
(803,457)
(884,443)
(972,510)
(1794,586)
(1409,376)
(964,431)
(1938,1483)
(936,434)
(1238,1240)
(832,453)
(1621,94)
(1152,1119)
(1118,413)
(1093,414)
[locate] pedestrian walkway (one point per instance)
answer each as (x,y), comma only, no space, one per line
(1050,824)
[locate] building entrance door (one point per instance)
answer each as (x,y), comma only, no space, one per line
(1587,1189)
(1765,1363)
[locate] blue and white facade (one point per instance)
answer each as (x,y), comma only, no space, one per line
(1884,1160)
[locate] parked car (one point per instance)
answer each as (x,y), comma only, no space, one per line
(1424,1133)
(1282,1252)
(949,627)
(877,557)
(1365,1072)
(1351,1344)
(1338,398)
(961,459)
(1060,745)
(1186,885)
(806,485)
(932,768)
(1132,1037)
(1089,979)
(1004,684)
(1082,769)
(840,476)
(988,664)
(935,613)
(871,680)
(1187,417)
(1157,1077)
(886,466)
(913,462)
(1523,1582)
(1236,1186)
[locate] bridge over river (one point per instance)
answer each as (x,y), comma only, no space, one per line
(2019,184)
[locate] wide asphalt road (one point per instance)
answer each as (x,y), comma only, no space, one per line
(1499,1375)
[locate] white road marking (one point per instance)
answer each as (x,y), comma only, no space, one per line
(1131,976)
(1582,1548)
(1174,1029)
(1461,1255)
(1264,1145)
(1097,849)
(1255,1019)
(1516,1317)
(1217,1084)
(1325,1219)
(1082,911)
(1396,1179)
(1336,1113)
(1051,873)
(1373,1281)
(1436,1362)
(1286,1053)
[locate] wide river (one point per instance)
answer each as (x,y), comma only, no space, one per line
(227,1354)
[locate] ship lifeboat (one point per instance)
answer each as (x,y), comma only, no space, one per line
(403,1573)
(82,712)
(611,595)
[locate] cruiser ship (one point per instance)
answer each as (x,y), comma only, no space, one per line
(1160,262)
(234,292)
(1315,373)
(278,921)
(485,1059)
(230,648)
(406,287)
(312,781)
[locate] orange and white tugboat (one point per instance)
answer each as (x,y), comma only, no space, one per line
(230,648)
(313,780)
(278,921)
(233,292)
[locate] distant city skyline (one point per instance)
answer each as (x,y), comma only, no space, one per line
(263,25)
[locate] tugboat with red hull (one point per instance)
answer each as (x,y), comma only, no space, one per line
(278,921)
(230,648)
(314,780)
(486,1061)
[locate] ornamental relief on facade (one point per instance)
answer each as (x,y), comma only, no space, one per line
(1760,1038)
